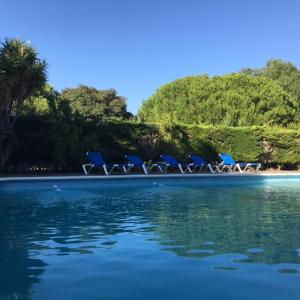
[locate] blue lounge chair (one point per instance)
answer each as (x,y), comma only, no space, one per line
(229,164)
(199,162)
(97,161)
(135,161)
(170,161)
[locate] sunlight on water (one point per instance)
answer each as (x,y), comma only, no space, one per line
(220,238)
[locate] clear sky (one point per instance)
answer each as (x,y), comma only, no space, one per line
(135,46)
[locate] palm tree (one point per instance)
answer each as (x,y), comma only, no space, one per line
(22,74)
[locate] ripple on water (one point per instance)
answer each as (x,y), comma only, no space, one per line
(226,268)
(109,243)
(117,236)
(255,250)
(201,251)
(287,271)
(208,243)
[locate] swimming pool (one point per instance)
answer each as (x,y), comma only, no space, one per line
(154,238)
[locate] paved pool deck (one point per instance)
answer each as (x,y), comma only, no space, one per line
(128,176)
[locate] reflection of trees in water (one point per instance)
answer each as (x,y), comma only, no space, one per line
(18,271)
(186,219)
(234,220)
(34,222)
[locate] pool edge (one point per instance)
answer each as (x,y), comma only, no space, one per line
(135,176)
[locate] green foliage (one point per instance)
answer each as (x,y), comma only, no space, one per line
(43,103)
(61,144)
(235,113)
(284,73)
(230,100)
(22,75)
(95,104)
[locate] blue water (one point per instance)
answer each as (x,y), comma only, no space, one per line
(201,238)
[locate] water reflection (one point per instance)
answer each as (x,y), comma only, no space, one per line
(231,225)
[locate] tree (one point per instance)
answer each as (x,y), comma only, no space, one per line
(286,74)
(22,75)
(230,100)
(95,104)
(44,103)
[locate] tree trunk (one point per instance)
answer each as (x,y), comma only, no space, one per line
(4,149)
(7,123)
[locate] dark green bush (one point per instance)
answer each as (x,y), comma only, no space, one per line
(61,145)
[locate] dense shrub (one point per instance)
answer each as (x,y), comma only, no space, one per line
(95,104)
(61,145)
(286,74)
(229,100)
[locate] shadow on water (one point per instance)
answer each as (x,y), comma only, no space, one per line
(19,269)
(194,218)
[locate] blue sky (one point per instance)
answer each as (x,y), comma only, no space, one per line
(135,46)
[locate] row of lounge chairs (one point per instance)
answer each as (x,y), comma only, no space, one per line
(227,163)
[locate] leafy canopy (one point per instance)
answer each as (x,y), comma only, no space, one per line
(22,75)
(231,100)
(284,73)
(44,103)
(95,104)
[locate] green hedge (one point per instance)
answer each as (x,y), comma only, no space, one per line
(61,145)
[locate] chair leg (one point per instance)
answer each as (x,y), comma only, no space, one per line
(188,169)
(237,166)
(112,168)
(180,169)
(145,169)
(160,169)
(128,169)
(105,170)
(220,168)
(166,169)
(150,169)
(195,168)
(153,166)
(247,167)
(85,170)
(210,168)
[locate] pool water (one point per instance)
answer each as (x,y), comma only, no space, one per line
(157,238)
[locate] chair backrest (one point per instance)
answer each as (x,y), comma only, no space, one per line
(171,160)
(96,158)
(227,159)
(198,160)
(135,160)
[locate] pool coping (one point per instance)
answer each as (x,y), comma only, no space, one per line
(136,176)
